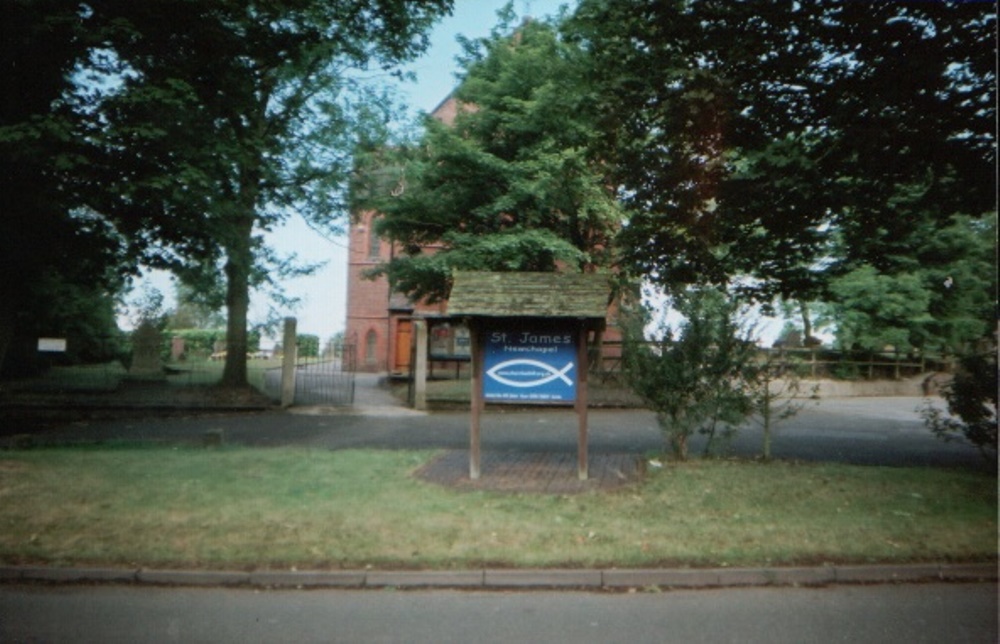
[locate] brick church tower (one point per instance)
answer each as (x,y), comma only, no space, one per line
(379,321)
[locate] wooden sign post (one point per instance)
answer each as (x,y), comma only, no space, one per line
(477,404)
(582,460)
(529,344)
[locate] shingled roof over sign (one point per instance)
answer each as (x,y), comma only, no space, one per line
(549,295)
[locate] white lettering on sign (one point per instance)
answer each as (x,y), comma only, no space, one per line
(530,338)
(525,337)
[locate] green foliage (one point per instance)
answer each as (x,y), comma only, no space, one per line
(972,405)
(874,310)
(84,316)
(511,185)
(198,343)
(773,385)
(194,310)
(146,305)
(308,345)
(60,266)
(428,275)
(214,123)
(957,266)
(793,142)
(693,376)
(938,297)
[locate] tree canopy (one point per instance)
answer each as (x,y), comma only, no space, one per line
(60,266)
(788,152)
(777,147)
(511,185)
(835,152)
(943,297)
(215,122)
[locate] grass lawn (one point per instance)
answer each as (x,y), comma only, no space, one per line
(108,376)
(278,508)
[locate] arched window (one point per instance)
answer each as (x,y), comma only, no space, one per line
(371,343)
(374,242)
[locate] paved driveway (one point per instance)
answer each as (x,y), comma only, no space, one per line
(871,431)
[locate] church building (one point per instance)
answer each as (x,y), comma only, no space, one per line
(379,322)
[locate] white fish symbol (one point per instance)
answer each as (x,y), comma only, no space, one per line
(552,372)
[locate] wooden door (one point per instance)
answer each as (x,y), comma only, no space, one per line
(404,332)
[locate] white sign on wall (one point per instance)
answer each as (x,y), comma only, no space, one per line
(450,342)
(52,345)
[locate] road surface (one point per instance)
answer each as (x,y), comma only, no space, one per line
(867,431)
(884,614)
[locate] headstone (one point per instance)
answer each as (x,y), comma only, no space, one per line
(146,346)
(177,348)
(288,364)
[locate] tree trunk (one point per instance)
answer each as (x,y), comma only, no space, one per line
(239,260)
(7,329)
(766,418)
(807,329)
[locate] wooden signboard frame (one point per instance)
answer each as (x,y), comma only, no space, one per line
(479,329)
(533,313)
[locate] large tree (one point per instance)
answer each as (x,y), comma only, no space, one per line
(59,265)
(219,119)
(940,296)
(776,146)
(511,185)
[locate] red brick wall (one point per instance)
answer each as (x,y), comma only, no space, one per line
(367,300)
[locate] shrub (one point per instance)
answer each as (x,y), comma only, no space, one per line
(692,376)
(972,404)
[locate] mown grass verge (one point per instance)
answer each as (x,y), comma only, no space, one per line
(245,508)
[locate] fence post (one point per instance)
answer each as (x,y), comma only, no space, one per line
(288,364)
(420,365)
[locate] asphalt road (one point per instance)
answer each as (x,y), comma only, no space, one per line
(883,614)
(870,431)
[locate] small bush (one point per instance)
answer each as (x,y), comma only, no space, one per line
(972,404)
(692,376)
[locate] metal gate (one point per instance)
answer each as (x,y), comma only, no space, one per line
(327,379)
(322,380)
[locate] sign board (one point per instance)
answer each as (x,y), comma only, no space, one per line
(529,366)
(450,341)
(53,345)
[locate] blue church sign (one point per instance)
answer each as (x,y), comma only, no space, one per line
(529,367)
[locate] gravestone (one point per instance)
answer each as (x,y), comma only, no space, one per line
(177,348)
(146,347)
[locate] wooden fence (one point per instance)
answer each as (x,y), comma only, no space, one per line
(817,362)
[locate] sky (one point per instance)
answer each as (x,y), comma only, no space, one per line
(323,310)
